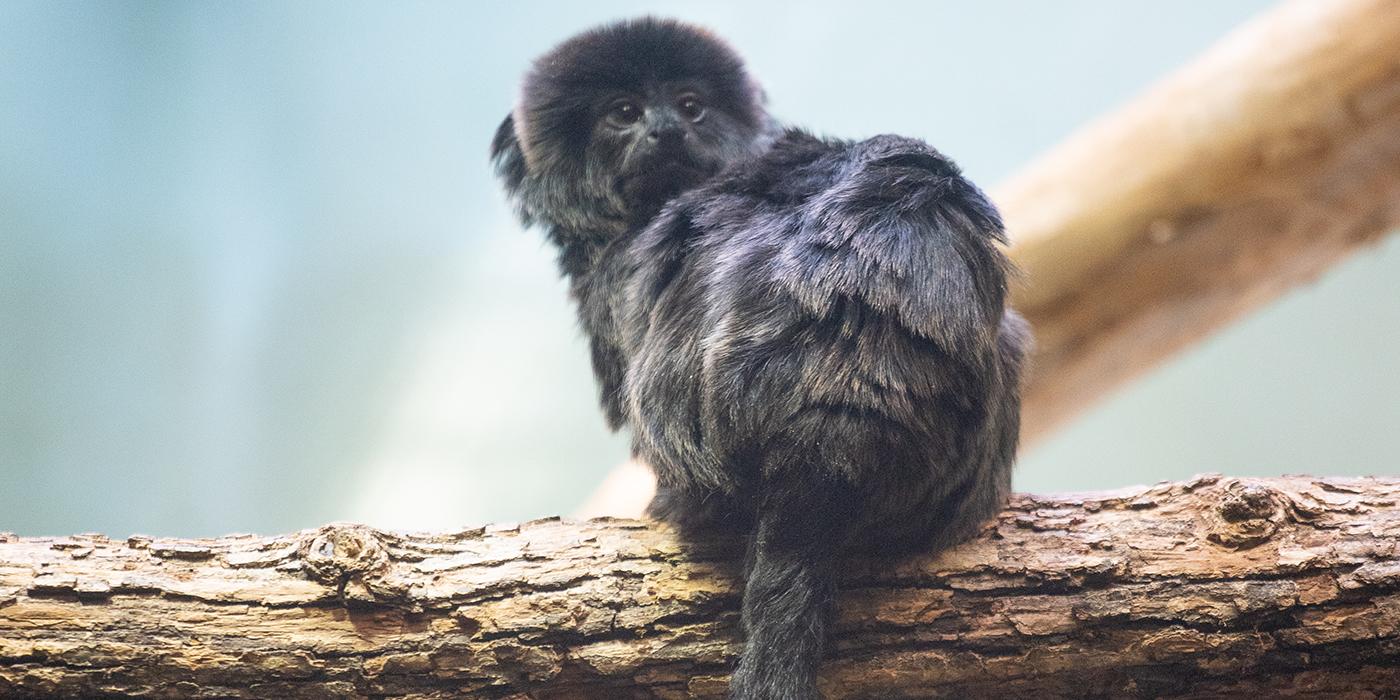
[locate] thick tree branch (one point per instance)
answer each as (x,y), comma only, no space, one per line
(1209,587)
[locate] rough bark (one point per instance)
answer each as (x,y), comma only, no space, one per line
(1196,589)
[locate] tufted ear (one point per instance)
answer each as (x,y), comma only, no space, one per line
(508,155)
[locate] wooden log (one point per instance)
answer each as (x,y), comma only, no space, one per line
(1248,172)
(1204,588)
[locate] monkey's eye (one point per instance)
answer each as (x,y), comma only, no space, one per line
(624,113)
(691,107)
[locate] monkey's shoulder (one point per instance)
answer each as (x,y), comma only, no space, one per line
(799,169)
(888,223)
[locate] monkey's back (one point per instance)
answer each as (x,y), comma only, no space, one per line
(831,309)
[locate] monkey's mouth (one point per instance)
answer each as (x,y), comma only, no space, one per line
(661,179)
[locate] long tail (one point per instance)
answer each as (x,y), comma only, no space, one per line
(790,590)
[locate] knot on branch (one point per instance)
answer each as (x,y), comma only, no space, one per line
(340,552)
(1246,515)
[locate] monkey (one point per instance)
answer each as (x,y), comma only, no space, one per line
(808,338)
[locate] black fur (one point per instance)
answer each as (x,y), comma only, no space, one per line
(807,337)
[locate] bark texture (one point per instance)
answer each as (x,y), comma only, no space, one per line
(1214,586)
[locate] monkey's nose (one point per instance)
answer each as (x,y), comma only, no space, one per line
(667,137)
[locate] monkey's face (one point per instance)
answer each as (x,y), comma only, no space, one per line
(664,139)
(618,120)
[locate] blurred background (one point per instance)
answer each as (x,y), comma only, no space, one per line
(256,275)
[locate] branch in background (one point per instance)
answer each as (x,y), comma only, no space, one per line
(1205,588)
(1248,172)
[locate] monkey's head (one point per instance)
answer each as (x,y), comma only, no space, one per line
(617,120)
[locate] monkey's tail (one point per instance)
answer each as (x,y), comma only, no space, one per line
(790,589)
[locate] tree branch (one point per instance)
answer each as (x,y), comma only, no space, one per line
(1251,170)
(1209,587)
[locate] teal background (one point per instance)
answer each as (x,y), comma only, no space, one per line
(255,274)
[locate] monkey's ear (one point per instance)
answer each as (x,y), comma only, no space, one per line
(508,155)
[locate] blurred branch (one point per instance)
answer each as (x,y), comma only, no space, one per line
(1248,172)
(1208,588)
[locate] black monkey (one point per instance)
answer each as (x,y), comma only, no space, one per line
(807,337)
